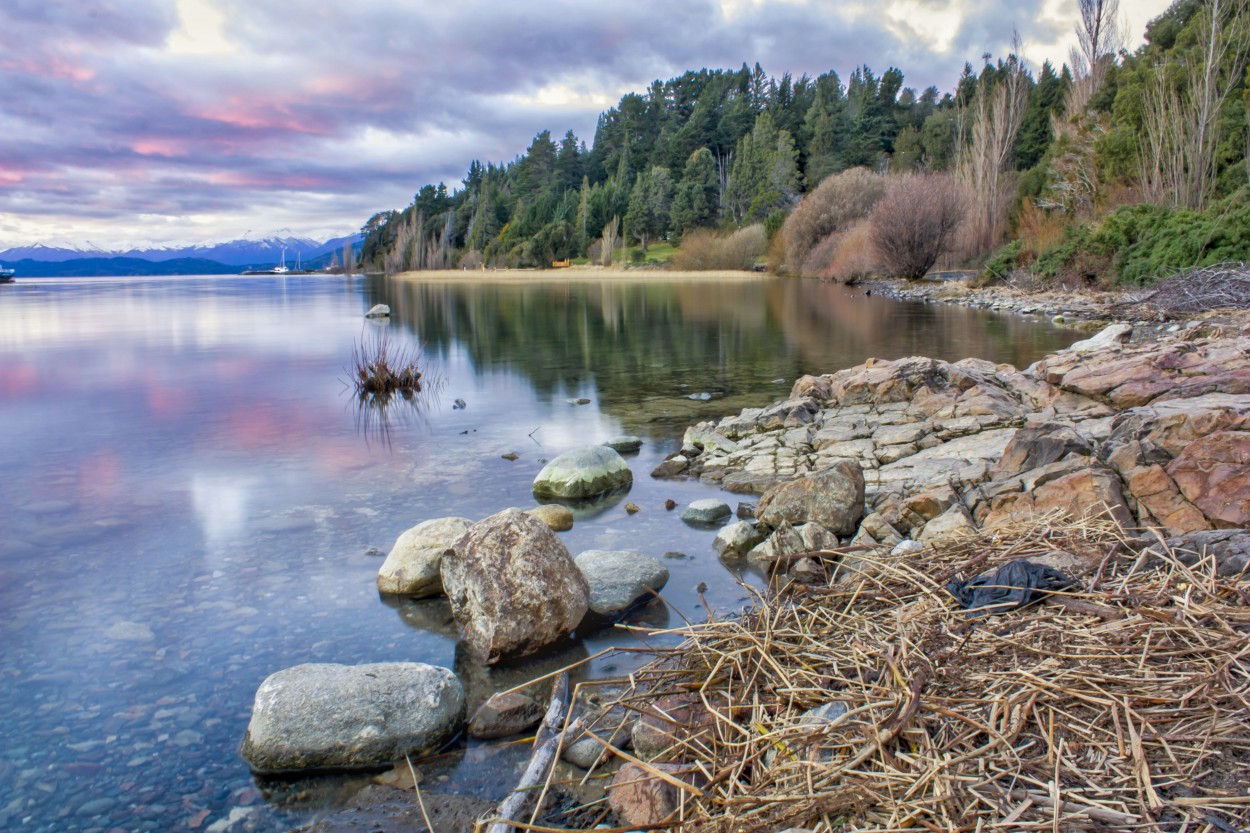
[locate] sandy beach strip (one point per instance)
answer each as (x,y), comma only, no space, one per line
(578,274)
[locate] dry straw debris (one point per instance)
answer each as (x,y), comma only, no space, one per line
(1123,704)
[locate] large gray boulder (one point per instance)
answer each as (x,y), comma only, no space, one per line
(620,579)
(583,473)
(413,567)
(318,716)
(513,587)
(833,498)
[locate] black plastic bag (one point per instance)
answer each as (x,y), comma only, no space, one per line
(1012,586)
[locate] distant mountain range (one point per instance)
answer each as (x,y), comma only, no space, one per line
(248,252)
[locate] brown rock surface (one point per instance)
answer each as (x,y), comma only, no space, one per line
(1213,473)
(640,799)
(504,714)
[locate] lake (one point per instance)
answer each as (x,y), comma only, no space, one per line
(190,499)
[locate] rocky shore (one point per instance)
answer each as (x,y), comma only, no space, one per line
(915,467)
(1153,435)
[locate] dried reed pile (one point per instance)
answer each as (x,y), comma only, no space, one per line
(1222,286)
(1122,705)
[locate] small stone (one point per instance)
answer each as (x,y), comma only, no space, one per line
(906,547)
(511,455)
(624,444)
(670,504)
(706,511)
(378,311)
(374,552)
(554,515)
(746,511)
(631,508)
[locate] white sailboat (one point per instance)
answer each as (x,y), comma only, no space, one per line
(281,270)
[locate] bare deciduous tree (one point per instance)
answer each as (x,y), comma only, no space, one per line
(987,153)
(1098,38)
(915,221)
(1182,120)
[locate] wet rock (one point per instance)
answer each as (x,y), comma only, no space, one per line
(378,311)
(414,565)
(583,473)
(585,753)
(620,579)
(344,716)
(706,511)
(381,809)
(834,498)
(736,539)
(671,467)
(503,715)
(513,587)
(554,515)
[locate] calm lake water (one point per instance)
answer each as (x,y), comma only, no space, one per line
(188,496)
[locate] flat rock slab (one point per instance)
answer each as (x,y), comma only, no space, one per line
(326,716)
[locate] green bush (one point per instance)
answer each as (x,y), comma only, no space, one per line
(1002,262)
(1138,244)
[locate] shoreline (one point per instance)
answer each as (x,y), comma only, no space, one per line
(578,274)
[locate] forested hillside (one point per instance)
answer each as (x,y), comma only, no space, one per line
(1042,161)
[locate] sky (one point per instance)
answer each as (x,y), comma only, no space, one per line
(170,122)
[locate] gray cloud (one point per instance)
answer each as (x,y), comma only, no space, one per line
(358,107)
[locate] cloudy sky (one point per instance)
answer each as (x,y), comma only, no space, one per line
(130,122)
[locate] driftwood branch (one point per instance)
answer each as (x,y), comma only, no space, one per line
(546,745)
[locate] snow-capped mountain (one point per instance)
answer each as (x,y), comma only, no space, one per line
(253,249)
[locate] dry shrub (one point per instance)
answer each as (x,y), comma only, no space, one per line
(915,222)
(844,256)
(704,250)
(837,202)
(1037,229)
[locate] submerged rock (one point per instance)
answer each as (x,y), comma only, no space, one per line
(318,716)
(514,588)
(583,473)
(624,444)
(413,567)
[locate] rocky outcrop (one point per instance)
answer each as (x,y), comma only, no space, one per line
(583,474)
(833,498)
(414,565)
(513,587)
(1154,434)
(318,716)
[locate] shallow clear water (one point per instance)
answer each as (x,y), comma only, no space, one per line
(188,494)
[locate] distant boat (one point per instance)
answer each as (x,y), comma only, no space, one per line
(6,275)
(281,269)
